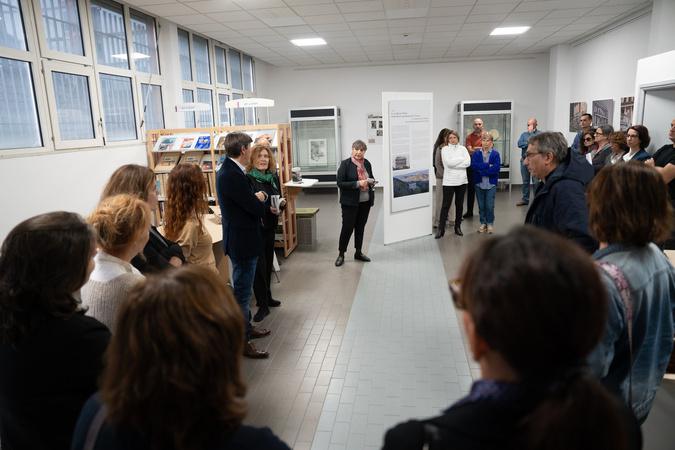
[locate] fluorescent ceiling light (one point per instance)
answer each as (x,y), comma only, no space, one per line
(308,42)
(134,55)
(505,31)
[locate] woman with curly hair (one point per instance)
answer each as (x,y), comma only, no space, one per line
(50,353)
(172,377)
(186,205)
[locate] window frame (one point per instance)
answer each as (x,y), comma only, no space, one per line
(46,52)
(74,69)
(135,105)
(129,10)
(144,129)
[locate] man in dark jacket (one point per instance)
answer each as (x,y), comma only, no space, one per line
(559,204)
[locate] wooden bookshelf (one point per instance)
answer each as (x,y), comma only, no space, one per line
(281,146)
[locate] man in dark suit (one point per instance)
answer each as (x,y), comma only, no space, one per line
(242,211)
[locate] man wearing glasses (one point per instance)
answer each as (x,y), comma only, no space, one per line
(585,123)
(559,204)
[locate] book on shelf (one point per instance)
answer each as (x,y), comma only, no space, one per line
(165,144)
(203,142)
(192,158)
(161,181)
(187,143)
(207,163)
(220,141)
(167,162)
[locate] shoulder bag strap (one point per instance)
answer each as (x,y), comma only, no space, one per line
(94,428)
(624,291)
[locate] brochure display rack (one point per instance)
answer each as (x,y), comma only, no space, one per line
(204,146)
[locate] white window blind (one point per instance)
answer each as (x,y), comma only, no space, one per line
(19,124)
(109,34)
(73,106)
(11,26)
(235,68)
(152,106)
(205,117)
(184,55)
(188,97)
(118,108)
(144,38)
(63,32)
(202,63)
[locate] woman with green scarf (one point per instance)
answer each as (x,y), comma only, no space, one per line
(262,173)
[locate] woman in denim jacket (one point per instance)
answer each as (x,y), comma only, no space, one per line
(629,211)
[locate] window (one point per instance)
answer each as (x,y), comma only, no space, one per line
(184,54)
(144,39)
(19,124)
(221,66)
(247,73)
(239,118)
(222,109)
(73,106)
(12,34)
(152,107)
(235,68)
(118,108)
(61,22)
(188,97)
(109,34)
(202,64)
(205,117)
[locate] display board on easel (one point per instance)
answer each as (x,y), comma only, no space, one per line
(407,143)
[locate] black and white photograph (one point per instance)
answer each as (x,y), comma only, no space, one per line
(627,104)
(318,155)
(576,110)
(603,112)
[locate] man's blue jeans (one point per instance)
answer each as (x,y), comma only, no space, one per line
(243,273)
(526,182)
(486,204)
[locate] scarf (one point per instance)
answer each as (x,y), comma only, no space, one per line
(361,172)
(267,177)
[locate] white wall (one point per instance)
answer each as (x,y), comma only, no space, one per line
(602,68)
(358,91)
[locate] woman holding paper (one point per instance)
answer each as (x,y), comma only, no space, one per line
(261,170)
(355,181)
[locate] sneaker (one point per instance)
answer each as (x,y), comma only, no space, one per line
(490,229)
(483,228)
(522,203)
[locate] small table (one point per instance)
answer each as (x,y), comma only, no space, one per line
(294,187)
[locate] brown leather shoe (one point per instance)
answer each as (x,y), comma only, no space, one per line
(251,352)
(257,332)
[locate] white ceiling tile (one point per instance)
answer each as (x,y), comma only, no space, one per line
(214,6)
(435,3)
(568,13)
(450,11)
(331,27)
(260,4)
(231,16)
(591,20)
(316,10)
(247,24)
(296,31)
(439,37)
(174,9)
(358,17)
(337,34)
(413,38)
(369,25)
(543,5)
(486,18)
(283,21)
(374,39)
(355,58)
(499,8)
(191,19)
(305,2)
(407,22)
(206,27)
(361,7)
(404,13)
(451,20)
(322,20)
(150,2)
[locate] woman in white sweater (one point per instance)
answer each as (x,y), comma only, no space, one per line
(122,224)
(455,161)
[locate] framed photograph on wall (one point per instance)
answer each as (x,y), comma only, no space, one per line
(627,104)
(318,152)
(603,112)
(576,110)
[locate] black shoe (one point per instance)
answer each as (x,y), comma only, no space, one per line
(440,233)
(458,230)
(261,314)
(361,257)
(273,303)
(467,215)
(340,260)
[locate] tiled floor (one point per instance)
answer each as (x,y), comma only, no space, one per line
(359,348)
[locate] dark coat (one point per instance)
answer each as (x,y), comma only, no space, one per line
(117,438)
(270,220)
(157,253)
(348,182)
(559,203)
(46,378)
(241,210)
(600,158)
(642,155)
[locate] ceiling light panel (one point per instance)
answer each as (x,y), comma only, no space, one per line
(508,31)
(308,42)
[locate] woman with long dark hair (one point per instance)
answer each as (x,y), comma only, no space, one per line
(533,307)
(50,352)
(441,141)
(172,377)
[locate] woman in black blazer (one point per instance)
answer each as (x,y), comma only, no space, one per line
(355,181)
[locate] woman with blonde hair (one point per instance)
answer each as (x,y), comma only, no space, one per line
(172,377)
(186,205)
(159,253)
(122,224)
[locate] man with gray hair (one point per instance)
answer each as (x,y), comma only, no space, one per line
(559,203)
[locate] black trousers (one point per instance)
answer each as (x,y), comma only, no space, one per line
(354,219)
(263,270)
(470,192)
(448,193)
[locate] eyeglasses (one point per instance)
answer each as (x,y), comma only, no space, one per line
(632,136)
(588,139)
(530,155)
(456,293)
